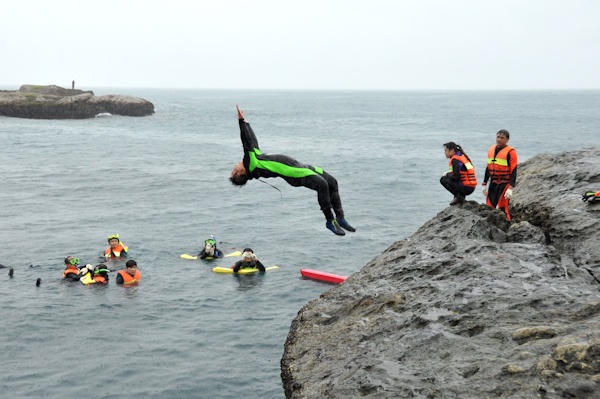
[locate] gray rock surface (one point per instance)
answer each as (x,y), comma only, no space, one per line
(469,306)
(54,102)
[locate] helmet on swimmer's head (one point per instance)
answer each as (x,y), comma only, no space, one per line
(114,237)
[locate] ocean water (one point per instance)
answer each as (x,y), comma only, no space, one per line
(161,183)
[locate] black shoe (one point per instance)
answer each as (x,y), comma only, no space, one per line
(457,200)
(334,226)
(344,224)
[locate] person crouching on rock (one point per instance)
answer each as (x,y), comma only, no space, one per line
(460,180)
(131,275)
(249,261)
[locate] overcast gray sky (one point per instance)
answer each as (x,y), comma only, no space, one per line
(309,44)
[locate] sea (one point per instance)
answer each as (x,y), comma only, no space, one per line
(161,183)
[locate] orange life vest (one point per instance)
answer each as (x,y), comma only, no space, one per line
(467,177)
(70,270)
(115,252)
(498,165)
(128,279)
(100,279)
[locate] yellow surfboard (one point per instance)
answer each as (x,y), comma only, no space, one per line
(229,270)
(191,257)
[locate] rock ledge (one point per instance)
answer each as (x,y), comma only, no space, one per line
(55,102)
(470,306)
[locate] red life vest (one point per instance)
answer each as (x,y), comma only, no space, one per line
(498,165)
(115,252)
(70,270)
(467,177)
(128,279)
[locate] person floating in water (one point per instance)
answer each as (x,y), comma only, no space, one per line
(249,261)
(72,271)
(116,248)
(130,275)
(460,180)
(210,250)
(255,164)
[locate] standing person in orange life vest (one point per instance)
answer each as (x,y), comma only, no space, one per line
(501,171)
(116,249)
(131,275)
(460,180)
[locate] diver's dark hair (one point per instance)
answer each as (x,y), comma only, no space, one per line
(239,180)
(504,132)
(457,148)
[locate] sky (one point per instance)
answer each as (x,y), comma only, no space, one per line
(302,45)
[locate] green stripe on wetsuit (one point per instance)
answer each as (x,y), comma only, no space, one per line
(280,168)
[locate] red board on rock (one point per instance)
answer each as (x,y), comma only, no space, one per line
(323,276)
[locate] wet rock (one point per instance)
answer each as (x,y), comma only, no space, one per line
(470,306)
(54,102)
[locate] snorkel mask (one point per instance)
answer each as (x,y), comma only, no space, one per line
(74,261)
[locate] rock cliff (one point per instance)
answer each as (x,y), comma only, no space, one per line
(54,102)
(469,306)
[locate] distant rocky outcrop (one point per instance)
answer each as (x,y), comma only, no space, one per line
(55,102)
(469,306)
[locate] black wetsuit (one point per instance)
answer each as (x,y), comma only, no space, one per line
(295,173)
(73,276)
(253,264)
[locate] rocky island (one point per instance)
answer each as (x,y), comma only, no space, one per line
(470,306)
(55,102)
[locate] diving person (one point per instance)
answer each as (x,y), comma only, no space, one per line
(255,164)
(210,250)
(249,261)
(460,180)
(501,171)
(130,275)
(116,248)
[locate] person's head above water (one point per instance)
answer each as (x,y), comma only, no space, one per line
(239,175)
(113,240)
(248,255)
(210,245)
(131,267)
(71,260)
